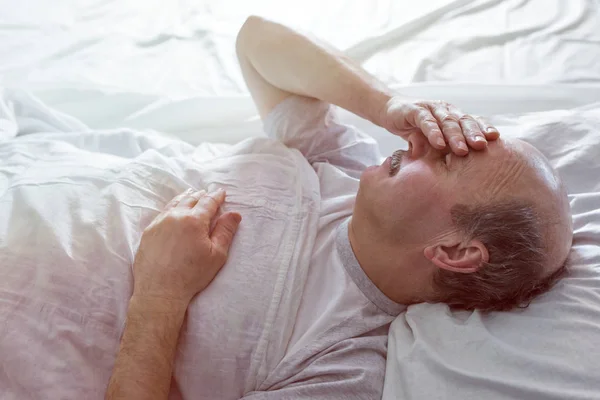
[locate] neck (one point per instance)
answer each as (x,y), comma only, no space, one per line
(393,269)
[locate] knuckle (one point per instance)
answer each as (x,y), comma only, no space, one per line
(449,119)
(208,200)
(427,118)
(229,232)
(425,115)
(190,219)
(432,126)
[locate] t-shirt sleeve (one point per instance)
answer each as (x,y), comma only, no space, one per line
(352,369)
(313,127)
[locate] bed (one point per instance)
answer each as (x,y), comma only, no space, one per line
(531,66)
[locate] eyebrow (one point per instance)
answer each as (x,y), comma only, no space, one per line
(462,165)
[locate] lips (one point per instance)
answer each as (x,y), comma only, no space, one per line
(395,162)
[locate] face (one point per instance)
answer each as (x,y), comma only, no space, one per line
(409,196)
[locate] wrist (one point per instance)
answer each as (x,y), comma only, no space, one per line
(378,107)
(156,308)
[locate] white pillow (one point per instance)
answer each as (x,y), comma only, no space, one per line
(550,350)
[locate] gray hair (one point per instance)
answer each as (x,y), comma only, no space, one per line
(512,232)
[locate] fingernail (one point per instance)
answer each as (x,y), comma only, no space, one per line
(479,139)
(190,190)
(462,146)
(491,130)
(441,142)
(219,190)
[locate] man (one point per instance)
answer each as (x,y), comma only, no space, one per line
(485,229)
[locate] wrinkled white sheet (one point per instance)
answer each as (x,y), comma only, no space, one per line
(170,66)
(154,64)
(186,47)
(547,351)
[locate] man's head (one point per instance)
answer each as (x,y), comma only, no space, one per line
(487,231)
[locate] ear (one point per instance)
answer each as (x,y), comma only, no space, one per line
(458,257)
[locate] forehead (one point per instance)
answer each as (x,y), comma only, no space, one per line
(504,166)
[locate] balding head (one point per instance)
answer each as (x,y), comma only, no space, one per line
(488,231)
(521,214)
(546,191)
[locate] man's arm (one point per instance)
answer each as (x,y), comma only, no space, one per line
(178,257)
(145,361)
(277,62)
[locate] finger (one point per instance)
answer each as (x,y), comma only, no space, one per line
(209,204)
(190,200)
(426,122)
(225,229)
(491,133)
(472,132)
(173,202)
(452,130)
(470,128)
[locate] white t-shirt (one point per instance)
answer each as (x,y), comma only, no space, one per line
(338,346)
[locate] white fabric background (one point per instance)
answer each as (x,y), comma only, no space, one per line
(170,66)
(185,47)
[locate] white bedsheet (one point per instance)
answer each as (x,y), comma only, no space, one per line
(185,47)
(170,66)
(151,64)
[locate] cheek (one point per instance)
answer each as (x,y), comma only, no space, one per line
(414,190)
(419,185)
(372,184)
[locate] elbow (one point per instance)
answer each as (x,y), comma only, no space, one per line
(248,30)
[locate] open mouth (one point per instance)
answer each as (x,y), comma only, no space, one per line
(395,162)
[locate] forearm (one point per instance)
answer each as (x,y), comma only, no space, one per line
(298,64)
(144,364)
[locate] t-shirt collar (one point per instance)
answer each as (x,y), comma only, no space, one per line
(358,275)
